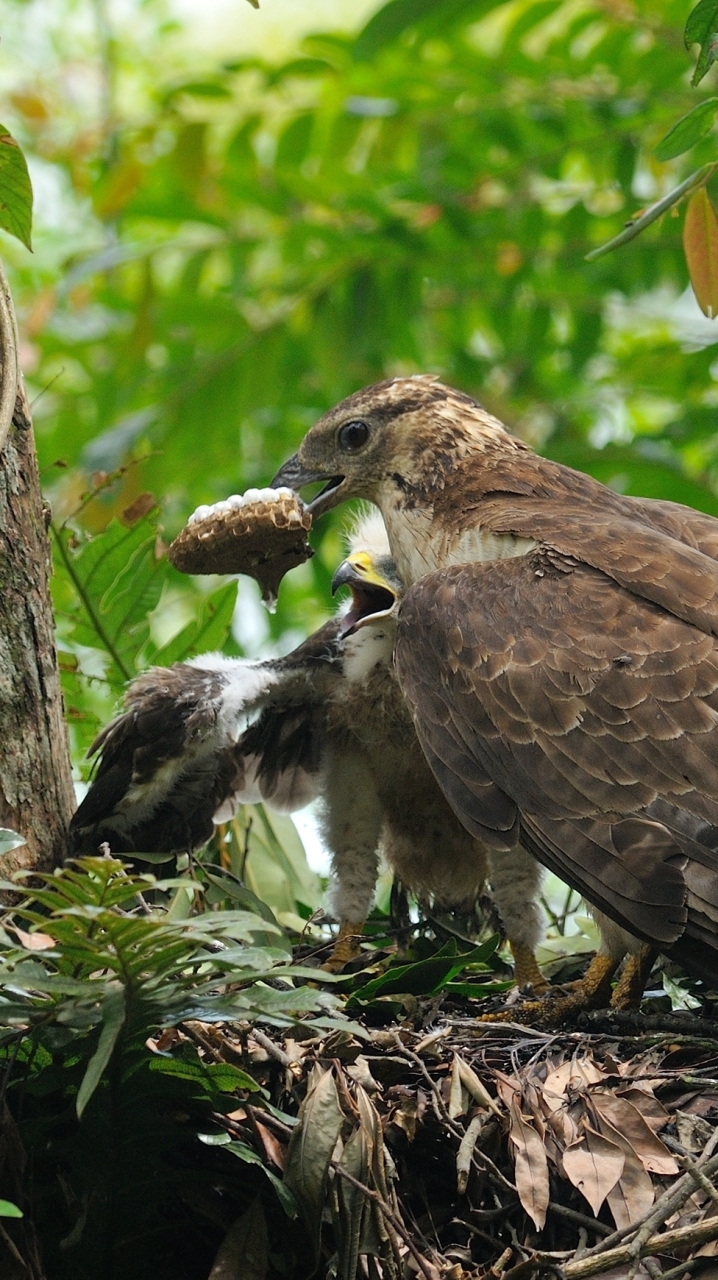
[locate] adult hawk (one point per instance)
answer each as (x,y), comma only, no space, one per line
(329,721)
(558,648)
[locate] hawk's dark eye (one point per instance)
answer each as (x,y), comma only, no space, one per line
(352,436)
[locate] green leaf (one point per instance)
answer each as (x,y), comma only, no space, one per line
(208,631)
(220,1076)
(15,190)
(227,1079)
(117,580)
(284,1194)
(113,1017)
(475,990)
(204,89)
(424,977)
(394,18)
(391,20)
(689,130)
(10,1210)
(702,29)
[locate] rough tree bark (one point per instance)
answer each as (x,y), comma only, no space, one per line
(36,793)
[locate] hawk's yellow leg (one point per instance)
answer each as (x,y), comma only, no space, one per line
(592,991)
(628,991)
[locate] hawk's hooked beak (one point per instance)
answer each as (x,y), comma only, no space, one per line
(294,475)
(372,596)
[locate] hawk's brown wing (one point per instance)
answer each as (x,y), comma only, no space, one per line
(644,548)
(541,684)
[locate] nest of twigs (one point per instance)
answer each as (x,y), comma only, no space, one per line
(483,1150)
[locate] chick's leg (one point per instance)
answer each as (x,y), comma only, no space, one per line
(516,884)
(351,824)
(526,970)
(346,945)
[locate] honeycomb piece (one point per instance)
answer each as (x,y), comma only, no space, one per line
(262,533)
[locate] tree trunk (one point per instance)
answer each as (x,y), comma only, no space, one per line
(36,792)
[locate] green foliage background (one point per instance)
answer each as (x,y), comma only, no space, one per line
(243,248)
(220,255)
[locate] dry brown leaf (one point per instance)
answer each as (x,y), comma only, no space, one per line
(653,1111)
(555,1086)
(531,1165)
(470,1081)
(633,1194)
(593,1165)
(142,504)
(642,1064)
(273,1149)
(459,1094)
(532,1103)
(244,1252)
(700,245)
(359,1072)
(584,1072)
(627,1119)
(294,1049)
(310,1149)
(562,1123)
(507,1087)
(33,941)
(239,1114)
(407,1115)
(531,1170)
(693,1132)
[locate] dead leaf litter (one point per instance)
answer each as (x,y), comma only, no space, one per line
(469,1149)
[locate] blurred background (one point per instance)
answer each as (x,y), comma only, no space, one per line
(243,214)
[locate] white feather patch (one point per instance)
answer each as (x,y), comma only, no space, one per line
(245,686)
(368,533)
(292,790)
(369,647)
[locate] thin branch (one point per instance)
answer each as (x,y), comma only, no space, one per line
(700,1179)
(270,1047)
(482,1162)
(436,1092)
(579,1219)
(200,1040)
(689,1163)
(685,1268)
(665,1242)
(8,357)
(637,225)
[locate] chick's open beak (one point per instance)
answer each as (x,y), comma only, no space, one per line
(372,596)
(295,475)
